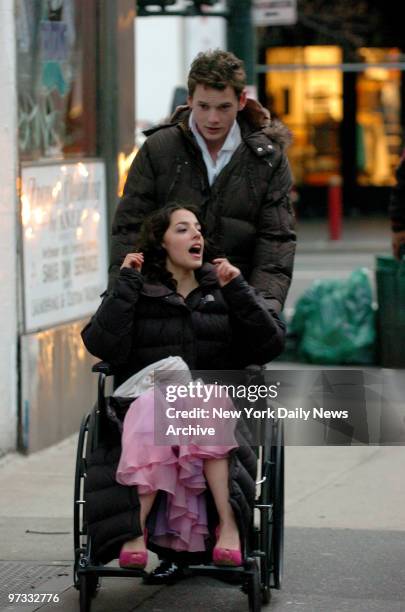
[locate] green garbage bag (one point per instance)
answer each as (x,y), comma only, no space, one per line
(334,321)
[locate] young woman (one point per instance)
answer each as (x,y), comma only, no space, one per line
(168,301)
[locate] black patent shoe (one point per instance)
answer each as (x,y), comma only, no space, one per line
(167,572)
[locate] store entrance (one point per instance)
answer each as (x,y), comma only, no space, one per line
(343,127)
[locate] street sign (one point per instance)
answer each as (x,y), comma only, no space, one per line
(274,12)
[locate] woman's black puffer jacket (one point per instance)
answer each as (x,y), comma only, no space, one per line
(214,329)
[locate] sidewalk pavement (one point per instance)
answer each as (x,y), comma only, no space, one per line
(318,257)
(358,234)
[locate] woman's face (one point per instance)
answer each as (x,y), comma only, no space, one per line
(183,241)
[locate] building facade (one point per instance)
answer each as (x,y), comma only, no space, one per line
(68,134)
(336,79)
(67,115)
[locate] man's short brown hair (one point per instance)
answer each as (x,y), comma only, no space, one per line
(217,69)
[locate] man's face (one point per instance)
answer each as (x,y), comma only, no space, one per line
(214,112)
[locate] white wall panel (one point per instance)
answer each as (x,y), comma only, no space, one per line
(8,250)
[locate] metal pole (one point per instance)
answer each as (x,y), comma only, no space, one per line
(116,90)
(108,100)
(335,208)
(241,36)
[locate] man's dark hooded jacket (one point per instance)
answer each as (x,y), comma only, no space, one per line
(247,210)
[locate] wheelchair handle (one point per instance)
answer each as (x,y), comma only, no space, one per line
(103,367)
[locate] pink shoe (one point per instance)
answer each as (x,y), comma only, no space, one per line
(133,560)
(226,556)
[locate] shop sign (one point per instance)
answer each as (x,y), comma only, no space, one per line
(64,241)
(274,12)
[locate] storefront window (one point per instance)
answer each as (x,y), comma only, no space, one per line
(309,101)
(379,133)
(56,78)
(308,98)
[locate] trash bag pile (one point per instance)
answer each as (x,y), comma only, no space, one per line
(334,322)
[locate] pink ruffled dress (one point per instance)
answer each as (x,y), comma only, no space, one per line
(177,470)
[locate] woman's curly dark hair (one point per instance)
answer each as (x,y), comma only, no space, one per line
(151,237)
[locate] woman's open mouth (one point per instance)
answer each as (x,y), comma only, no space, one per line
(196,251)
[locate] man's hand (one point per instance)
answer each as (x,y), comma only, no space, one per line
(398,238)
(225,271)
(133,260)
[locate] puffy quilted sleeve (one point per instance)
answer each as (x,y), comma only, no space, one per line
(109,333)
(258,332)
(273,258)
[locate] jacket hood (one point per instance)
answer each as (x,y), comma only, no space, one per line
(255,117)
(279,132)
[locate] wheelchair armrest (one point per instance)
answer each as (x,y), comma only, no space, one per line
(103,367)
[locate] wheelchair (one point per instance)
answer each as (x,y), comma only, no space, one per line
(263,561)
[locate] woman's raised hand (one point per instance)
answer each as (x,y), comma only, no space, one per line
(133,260)
(225,271)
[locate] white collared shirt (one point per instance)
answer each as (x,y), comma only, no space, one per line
(225,153)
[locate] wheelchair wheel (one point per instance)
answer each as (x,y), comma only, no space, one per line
(272,525)
(88,587)
(278,507)
(266,595)
(78,497)
(85,599)
(253,587)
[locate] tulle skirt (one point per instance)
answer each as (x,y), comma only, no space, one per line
(177,470)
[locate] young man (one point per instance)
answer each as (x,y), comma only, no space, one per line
(222,154)
(397,211)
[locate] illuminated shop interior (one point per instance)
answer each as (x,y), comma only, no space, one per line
(307,94)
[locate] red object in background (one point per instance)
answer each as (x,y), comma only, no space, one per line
(335,208)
